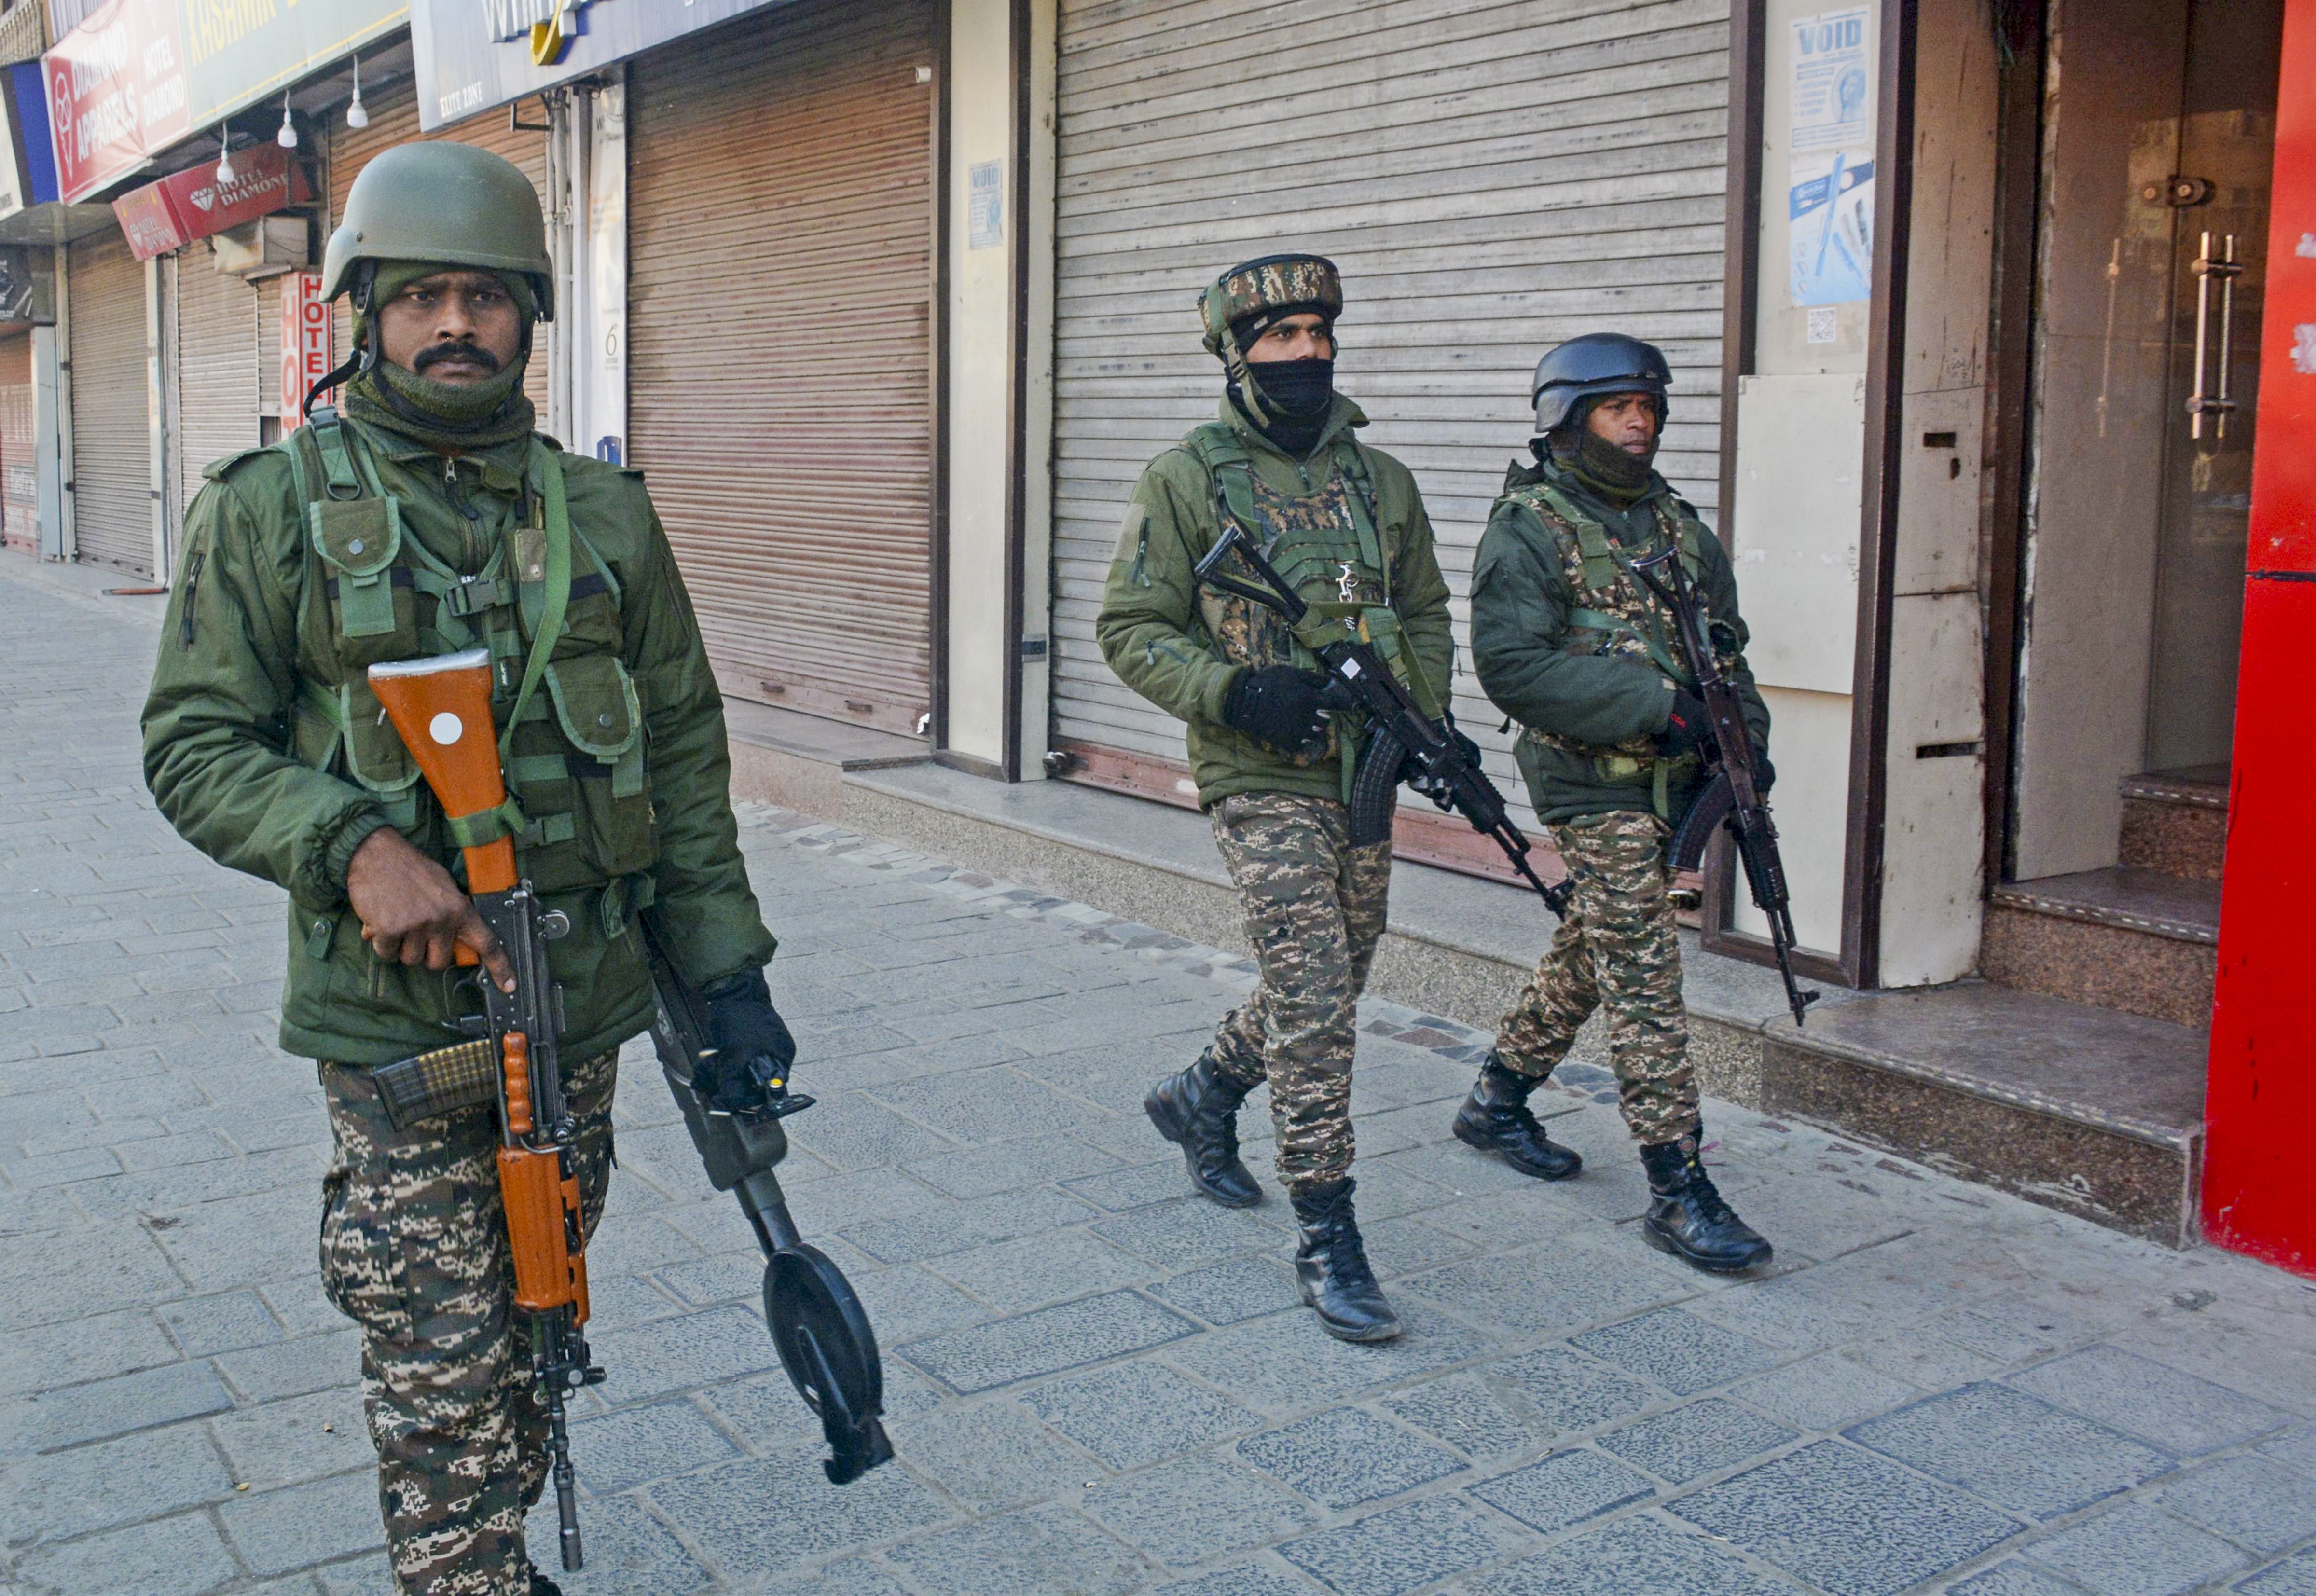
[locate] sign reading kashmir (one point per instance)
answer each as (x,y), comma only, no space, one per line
(138,75)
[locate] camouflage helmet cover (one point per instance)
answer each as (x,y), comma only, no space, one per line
(446,203)
(1283,282)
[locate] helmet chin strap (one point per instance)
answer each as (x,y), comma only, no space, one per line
(1240,373)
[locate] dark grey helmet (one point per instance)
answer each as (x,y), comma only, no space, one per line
(1592,366)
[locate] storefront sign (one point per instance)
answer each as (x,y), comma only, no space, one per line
(305,342)
(472,55)
(138,75)
(194,204)
(116,92)
(31,153)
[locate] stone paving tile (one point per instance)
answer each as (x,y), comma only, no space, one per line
(2161,1407)
(981,1051)
(2134,1550)
(1138,1413)
(1189,1510)
(1641,1553)
(1565,1489)
(1847,1520)
(1400,1549)
(2017,1453)
(1047,1341)
(1347,1456)
(1700,1439)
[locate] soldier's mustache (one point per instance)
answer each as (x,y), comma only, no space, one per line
(456,350)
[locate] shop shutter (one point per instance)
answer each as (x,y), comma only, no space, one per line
(113,484)
(20,480)
(217,367)
(1492,181)
(780,234)
(394,119)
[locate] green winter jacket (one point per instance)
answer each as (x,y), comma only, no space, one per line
(1158,630)
(249,760)
(1577,652)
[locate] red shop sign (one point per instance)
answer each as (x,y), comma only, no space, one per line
(194,204)
(116,92)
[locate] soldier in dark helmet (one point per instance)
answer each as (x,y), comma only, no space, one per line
(1344,524)
(1572,646)
(427,517)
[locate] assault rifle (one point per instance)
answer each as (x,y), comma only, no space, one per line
(442,709)
(1732,789)
(1399,733)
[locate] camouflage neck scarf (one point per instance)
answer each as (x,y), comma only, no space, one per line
(1619,478)
(444,416)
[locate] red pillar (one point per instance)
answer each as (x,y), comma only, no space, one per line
(2258,1194)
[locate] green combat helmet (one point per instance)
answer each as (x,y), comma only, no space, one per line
(1271,288)
(447,204)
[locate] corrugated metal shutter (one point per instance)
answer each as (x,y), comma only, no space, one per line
(113,484)
(394,119)
(1492,181)
(217,367)
(269,358)
(780,234)
(20,480)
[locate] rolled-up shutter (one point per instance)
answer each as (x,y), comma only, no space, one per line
(217,367)
(780,234)
(394,119)
(1492,181)
(19,479)
(112,482)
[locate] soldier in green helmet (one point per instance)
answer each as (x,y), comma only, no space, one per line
(428,516)
(1273,759)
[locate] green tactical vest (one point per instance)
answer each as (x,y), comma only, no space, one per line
(1329,548)
(572,726)
(1617,616)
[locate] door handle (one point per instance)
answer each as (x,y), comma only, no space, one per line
(2209,399)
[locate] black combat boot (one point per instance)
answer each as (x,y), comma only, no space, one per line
(1198,1110)
(1332,1266)
(1495,1119)
(1687,1217)
(541,1585)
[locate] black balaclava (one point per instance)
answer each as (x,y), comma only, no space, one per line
(1603,467)
(1296,397)
(441,416)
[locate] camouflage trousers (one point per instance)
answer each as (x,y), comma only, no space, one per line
(1314,910)
(1618,950)
(414,1250)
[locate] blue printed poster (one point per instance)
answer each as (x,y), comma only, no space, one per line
(1831,200)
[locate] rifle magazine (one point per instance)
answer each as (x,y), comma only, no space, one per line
(436,1084)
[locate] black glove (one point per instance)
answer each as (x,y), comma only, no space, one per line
(1685,727)
(1435,788)
(1765,774)
(749,1069)
(1280,706)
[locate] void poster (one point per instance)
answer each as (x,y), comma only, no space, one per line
(1829,203)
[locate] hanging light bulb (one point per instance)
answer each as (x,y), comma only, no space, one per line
(356,117)
(225,175)
(288,136)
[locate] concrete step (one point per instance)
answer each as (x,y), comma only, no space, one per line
(2176,821)
(798,761)
(2077,1107)
(2122,938)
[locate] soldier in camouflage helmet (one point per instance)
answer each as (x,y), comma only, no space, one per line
(1344,524)
(1568,643)
(422,519)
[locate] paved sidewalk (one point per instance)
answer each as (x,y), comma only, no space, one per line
(1097,1384)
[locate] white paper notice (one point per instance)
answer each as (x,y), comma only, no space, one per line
(1831,197)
